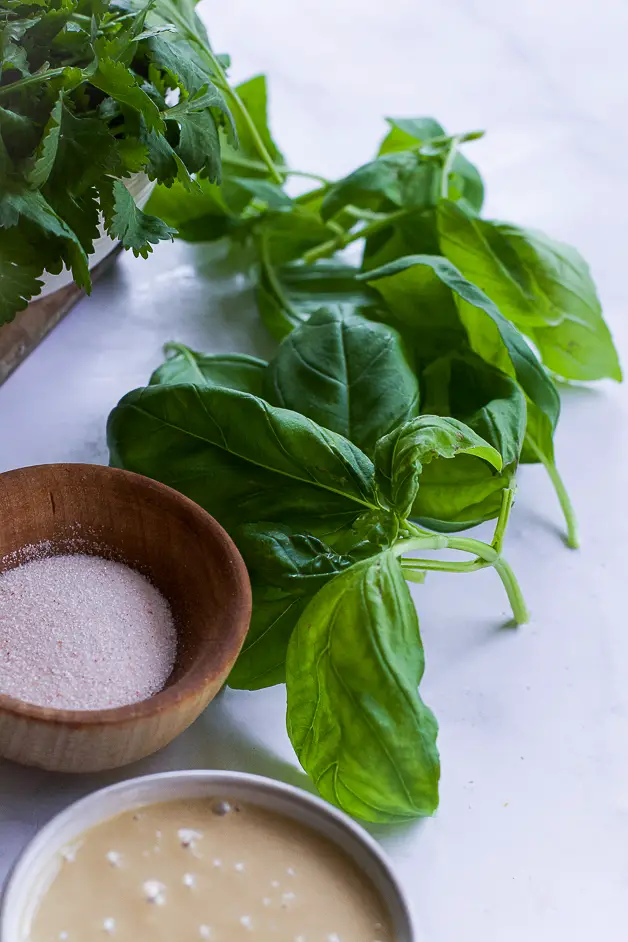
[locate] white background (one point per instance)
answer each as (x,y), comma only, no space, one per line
(531,839)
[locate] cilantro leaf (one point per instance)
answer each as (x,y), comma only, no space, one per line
(135,229)
(18,284)
(47,150)
(116,80)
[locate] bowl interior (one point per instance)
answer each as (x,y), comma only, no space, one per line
(36,867)
(119,515)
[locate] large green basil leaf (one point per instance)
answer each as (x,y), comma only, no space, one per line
(287,569)
(491,403)
(411,133)
(401,456)
(355,717)
(420,306)
(233,370)
(457,494)
(262,660)
(241,459)
(490,334)
(414,233)
(544,287)
(348,374)
(403,180)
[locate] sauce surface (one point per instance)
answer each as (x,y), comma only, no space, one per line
(207,869)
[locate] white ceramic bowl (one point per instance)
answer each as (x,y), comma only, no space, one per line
(36,865)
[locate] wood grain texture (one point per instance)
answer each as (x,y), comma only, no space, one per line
(181,549)
(20,337)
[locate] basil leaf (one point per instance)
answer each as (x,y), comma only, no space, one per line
(542,286)
(241,459)
(298,563)
(420,306)
(410,133)
(262,660)
(401,456)
(355,717)
(491,403)
(490,335)
(457,494)
(403,180)
(287,569)
(199,215)
(233,370)
(347,374)
(414,233)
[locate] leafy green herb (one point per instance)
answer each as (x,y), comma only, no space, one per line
(402,398)
(355,661)
(402,454)
(542,286)
(456,495)
(91,93)
(232,370)
(324,533)
(346,373)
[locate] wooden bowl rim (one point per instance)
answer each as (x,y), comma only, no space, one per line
(193,680)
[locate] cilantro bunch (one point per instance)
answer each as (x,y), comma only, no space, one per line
(91,92)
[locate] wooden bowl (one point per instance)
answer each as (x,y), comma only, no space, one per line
(181,549)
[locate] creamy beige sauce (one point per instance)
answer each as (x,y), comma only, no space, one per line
(183,871)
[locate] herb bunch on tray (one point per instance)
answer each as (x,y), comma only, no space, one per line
(92,92)
(404,394)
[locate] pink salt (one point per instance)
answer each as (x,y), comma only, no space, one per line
(83,633)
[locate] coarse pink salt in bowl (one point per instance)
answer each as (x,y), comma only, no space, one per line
(152,588)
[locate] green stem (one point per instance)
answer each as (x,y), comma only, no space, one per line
(223,84)
(447,168)
(292,318)
(561,492)
(31,80)
(261,148)
(508,496)
(485,555)
(246,164)
(439,565)
(325,249)
(513,591)
(503,569)
(366,215)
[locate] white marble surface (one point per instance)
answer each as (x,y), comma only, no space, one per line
(531,839)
